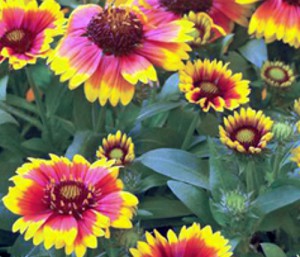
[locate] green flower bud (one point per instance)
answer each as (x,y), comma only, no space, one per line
(127,238)
(235,202)
(283,131)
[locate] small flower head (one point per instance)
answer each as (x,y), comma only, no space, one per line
(210,84)
(191,241)
(235,202)
(277,74)
(26,30)
(247,131)
(206,29)
(282,131)
(68,204)
(118,147)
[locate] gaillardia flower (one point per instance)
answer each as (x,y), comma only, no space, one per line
(276,20)
(277,74)
(118,147)
(206,29)
(69,204)
(192,241)
(223,12)
(296,155)
(26,30)
(111,49)
(248,131)
(297,106)
(212,85)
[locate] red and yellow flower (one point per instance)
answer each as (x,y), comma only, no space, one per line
(26,30)
(276,20)
(247,131)
(206,29)
(223,12)
(210,84)
(118,147)
(191,241)
(110,50)
(69,204)
(277,74)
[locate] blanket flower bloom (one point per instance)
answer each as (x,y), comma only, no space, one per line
(206,29)
(112,49)
(247,131)
(118,147)
(223,12)
(210,84)
(26,30)
(192,241)
(276,20)
(277,74)
(69,203)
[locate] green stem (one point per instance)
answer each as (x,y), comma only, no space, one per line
(40,105)
(190,133)
(277,161)
(251,178)
(100,125)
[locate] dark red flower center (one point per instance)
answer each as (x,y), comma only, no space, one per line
(20,40)
(116,31)
(182,7)
(71,197)
(247,136)
(292,2)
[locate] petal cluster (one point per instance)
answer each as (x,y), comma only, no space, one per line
(68,204)
(192,241)
(247,131)
(210,84)
(26,30)
(118,147)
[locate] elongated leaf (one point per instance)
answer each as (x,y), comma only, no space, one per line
(3,86)
(195,199)
(272,250)
(176,164)
(7,118)
(156,108)
(276,199)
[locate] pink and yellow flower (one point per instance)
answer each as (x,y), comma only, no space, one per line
(118,147)
(69,204)
(26,30)
(110,50)
(192,241)
(223,12)
(210,84)
(276,20)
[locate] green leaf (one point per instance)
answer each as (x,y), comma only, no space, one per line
(276,198)
(194,198)
(255,51)
(156,108)
(38,145)
(154,180)
(170,90)
(7,118)
(178,165)
(157,207)
(3,86)
(272,250)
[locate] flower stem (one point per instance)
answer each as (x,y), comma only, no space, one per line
(277,161)
(40,105)
(100,125)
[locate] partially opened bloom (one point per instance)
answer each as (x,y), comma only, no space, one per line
(276,20)
(206,29)
(247,131)
(69,204)
(192,241)
(277,74)
(118,147)
(210,84)
(26,30)
(223,12)
(110,50)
